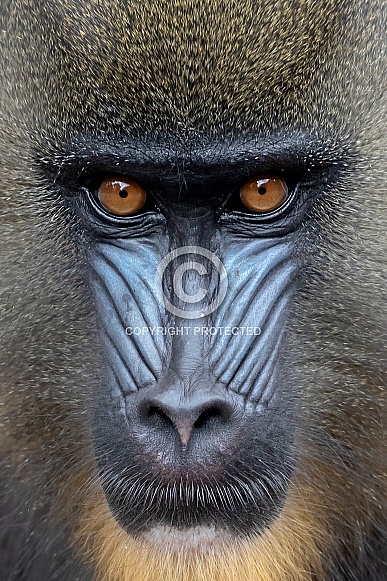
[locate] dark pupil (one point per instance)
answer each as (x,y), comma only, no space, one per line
(123,194)
(262,190)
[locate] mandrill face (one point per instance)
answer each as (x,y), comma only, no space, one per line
(193,424)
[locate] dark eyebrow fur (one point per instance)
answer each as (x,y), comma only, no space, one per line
(87,155)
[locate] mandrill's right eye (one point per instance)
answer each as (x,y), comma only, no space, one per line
(121,196)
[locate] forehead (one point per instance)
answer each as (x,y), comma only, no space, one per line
(194,64)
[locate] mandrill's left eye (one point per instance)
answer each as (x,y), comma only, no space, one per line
(264,194)
(121,196)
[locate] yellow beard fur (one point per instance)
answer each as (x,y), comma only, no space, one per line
(290,550)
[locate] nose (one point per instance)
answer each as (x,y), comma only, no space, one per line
(187,417)
(180,428)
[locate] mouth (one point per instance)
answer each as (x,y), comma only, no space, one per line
(227,500)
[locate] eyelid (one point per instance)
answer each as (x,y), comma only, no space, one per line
(240,214)
(234,207)
(102,219)
(103,213)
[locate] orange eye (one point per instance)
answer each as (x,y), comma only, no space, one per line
(264,193)
(121,196)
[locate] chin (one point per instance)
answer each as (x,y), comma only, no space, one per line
(193,541)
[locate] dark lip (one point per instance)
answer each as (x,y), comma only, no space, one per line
(238,499)
(234,506)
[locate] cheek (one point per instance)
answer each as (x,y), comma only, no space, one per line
(261,278)
(124,280)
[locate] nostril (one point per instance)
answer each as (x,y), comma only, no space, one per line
(153,411)
(212,415)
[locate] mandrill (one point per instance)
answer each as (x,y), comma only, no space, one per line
(193,228)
